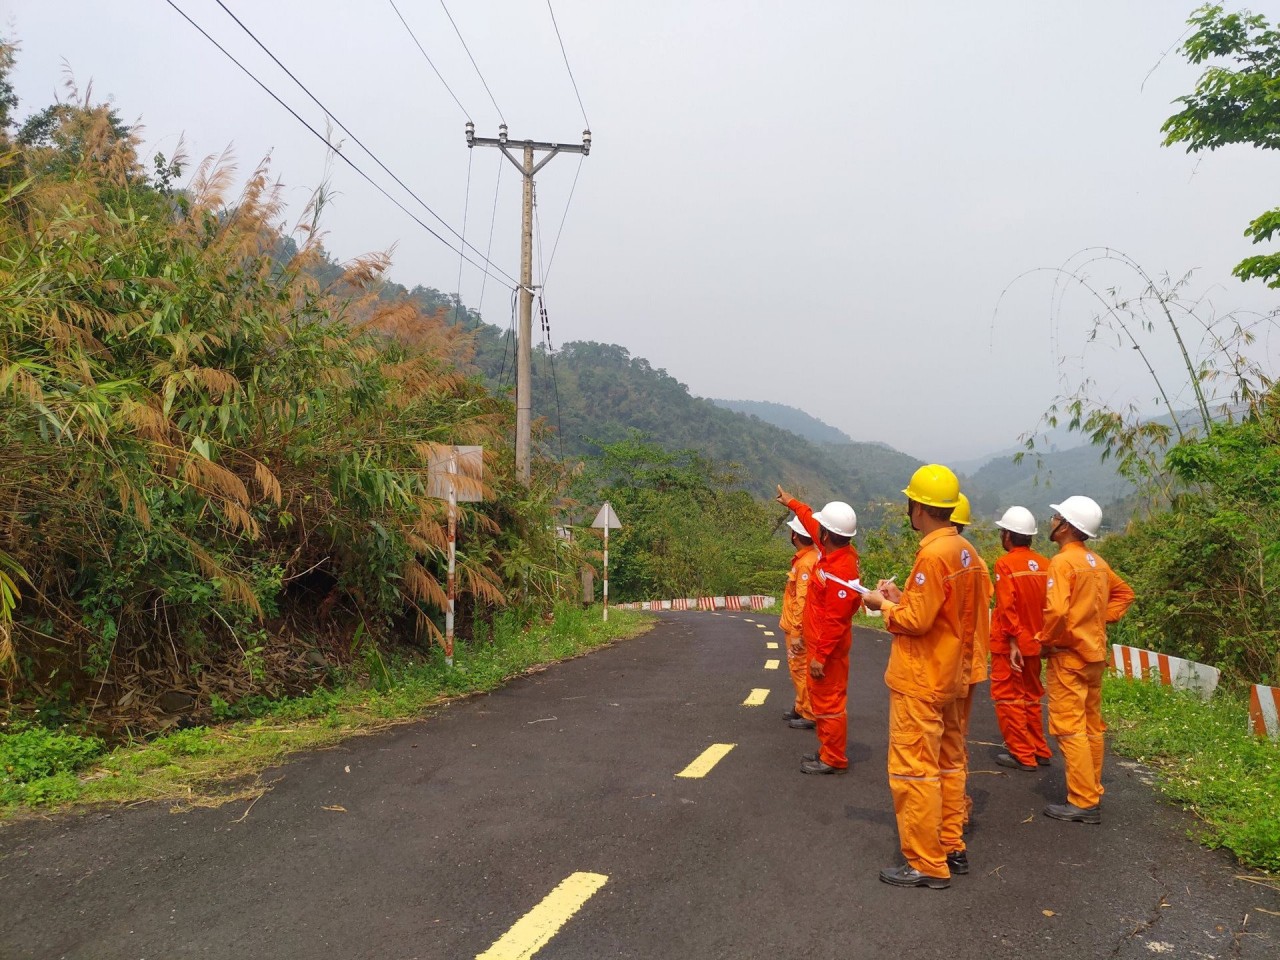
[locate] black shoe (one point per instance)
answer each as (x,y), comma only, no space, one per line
(1004,760)
(817,766)
(791,714)
(908,876)
(800,723)
(810,757)
(958,861)
(1068,811)
(1043,761)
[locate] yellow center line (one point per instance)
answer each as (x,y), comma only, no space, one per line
(756,697)
(745,620)
(706,760)
(759,626)
(771,664)
(768,633)
(532,931)
(771,645)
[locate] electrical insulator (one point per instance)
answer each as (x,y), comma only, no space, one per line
(471,134)
(586,142)
(502,133)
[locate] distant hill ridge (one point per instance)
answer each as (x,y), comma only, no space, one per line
(605,395)
(788,418)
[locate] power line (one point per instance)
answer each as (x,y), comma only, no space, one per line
(465,111)
(493,219)
(319,136)
(474,64)
(345,129)
(567,67)
(564,216)
(466,207)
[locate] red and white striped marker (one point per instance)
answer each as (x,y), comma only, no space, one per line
(1139,664)
(733,603)
(1264,711)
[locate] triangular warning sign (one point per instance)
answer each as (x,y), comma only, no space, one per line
(606,519)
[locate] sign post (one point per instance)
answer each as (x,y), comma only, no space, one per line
(444,479)
(606,520)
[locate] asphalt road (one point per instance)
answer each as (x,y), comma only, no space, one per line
(435,839)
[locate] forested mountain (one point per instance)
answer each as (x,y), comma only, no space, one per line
(788,418)
(1002,483)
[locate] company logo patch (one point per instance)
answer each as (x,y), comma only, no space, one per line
(1032,565)
(1093,562)
(842,594)
(997,578)
(965,559)
(920,579)
(1050,583)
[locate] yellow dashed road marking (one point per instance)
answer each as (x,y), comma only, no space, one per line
(768,633)
(533,931)
(771,645)
(759,626)
(706,760)
(756,697)
(771,664)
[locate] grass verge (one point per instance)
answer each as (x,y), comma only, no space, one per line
(42,769)
(1205,759)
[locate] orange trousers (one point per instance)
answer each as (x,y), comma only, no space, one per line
(1075,719)
(955,778)
(829,701)
(926,779)
(1017,695)
(798,664)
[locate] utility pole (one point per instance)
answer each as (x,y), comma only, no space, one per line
(527,168)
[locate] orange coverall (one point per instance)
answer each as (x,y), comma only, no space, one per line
(934,627)
(792,627)
(1021,575)
(828,634)
(1083,595)
(959,738)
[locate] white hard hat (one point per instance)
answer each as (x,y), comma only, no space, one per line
(1018,520)
(797,527)
(1082,513)
(839,518)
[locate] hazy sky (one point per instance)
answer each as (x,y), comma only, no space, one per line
(814,203)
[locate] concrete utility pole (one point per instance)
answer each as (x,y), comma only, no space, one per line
(527,168)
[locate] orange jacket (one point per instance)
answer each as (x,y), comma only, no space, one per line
(793,596)
(936,622)
(1021,575)
(1083,595)
(982,628)
(830,605)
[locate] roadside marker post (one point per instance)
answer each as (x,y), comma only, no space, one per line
(446,482)
(606,520)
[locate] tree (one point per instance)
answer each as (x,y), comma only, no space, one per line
(1237,101)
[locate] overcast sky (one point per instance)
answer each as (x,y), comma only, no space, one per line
(814,203)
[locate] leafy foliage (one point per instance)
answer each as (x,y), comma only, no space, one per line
(1234,102)
(206,450)
(1205,570)
(685,530)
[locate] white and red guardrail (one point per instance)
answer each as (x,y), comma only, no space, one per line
(1264,711)
(1139,664)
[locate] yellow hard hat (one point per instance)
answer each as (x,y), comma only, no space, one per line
(961,513)
(935,486)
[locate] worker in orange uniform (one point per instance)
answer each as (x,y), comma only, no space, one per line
(791,623)
(1083,595)
(1016,688)
(952,841)
(827,627)
(933,619)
